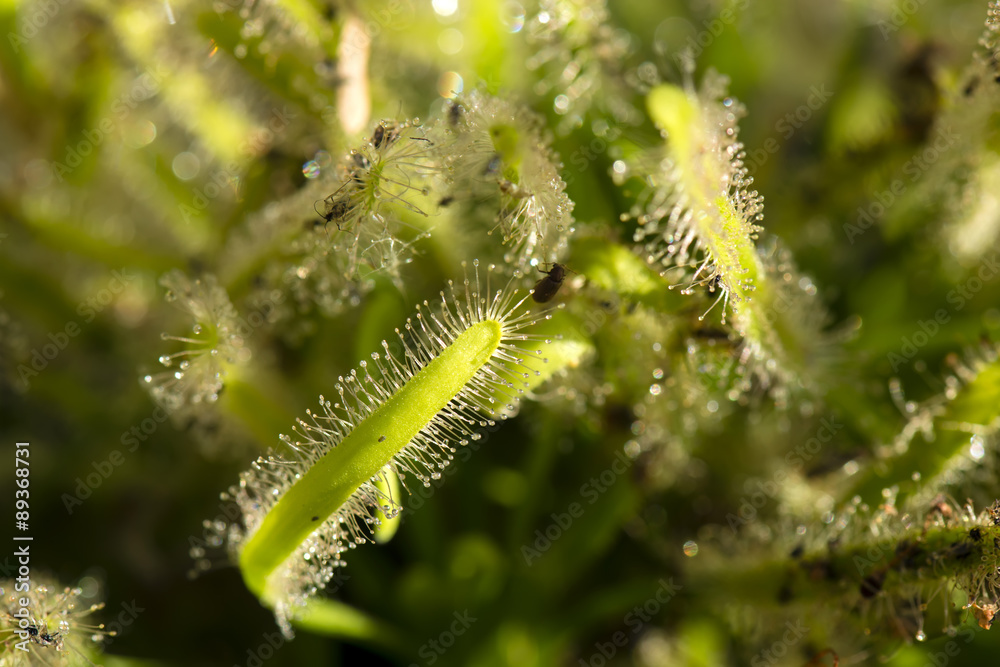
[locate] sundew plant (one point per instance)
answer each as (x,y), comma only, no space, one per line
(545,333)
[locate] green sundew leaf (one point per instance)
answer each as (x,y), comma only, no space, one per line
(361,455)
(712,225)
(507,143)
(977,228)
(277,71)
(336,619)
(614,267)
(386,529)
(671,109)
(222,126)
(489,46)
(921,555)
(256,404)
(382,312)
(567,347)
(975,407)
(309,20)
(723,232)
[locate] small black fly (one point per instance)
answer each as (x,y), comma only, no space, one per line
(547,287)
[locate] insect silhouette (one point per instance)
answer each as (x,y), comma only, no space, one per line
(44,638)
(337,209)
(493,166)
(513,189)
(388,132)
(361,166)
(454,113)
(385,135)
(710,334)
(547,287)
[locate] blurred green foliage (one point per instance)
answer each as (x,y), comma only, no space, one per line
(139,138)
